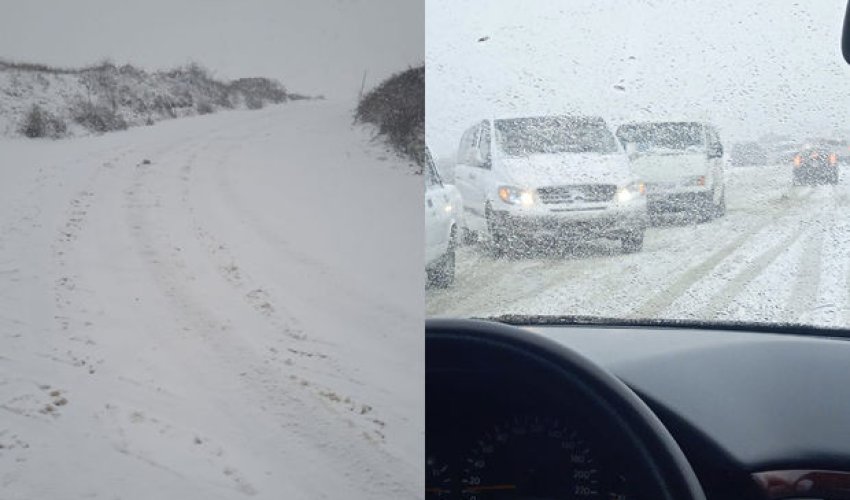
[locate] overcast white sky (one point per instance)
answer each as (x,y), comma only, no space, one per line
(750,66)
(311,46)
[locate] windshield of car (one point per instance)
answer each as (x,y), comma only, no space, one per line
(710,216)
(553,135)
(661,138)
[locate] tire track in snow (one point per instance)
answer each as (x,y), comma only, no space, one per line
(563,286)
(791,289)
(666,297)
(265,235)
(20,217)
(70,310)
(252,291)
(804,299)
(742,276)
(202,325)
(311,418)
(299,350)
(764,297)
(699,285)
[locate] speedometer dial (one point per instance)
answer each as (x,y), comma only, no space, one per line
(536,458)
(438,481)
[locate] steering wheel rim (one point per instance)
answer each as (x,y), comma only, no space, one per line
(672,474)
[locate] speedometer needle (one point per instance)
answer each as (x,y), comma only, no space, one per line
(495,487)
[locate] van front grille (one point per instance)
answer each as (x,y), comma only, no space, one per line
(588,193)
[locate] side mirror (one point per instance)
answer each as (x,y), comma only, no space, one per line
(446,168)
(481,161)
(715,151)
(845,36)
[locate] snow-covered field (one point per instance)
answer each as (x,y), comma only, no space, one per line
(216,307)
(782,254)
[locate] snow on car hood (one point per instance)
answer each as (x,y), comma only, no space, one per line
(564,169)
(666,168)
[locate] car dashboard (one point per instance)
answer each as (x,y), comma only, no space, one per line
(756,415)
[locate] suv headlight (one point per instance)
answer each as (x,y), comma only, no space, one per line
(516,196)
(628,193)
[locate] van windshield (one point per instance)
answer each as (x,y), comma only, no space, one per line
(661,138)
(520,137)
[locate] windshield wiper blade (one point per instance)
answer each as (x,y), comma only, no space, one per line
(575,320)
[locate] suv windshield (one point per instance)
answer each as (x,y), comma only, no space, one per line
(551,135)
(708,210)
(663,137)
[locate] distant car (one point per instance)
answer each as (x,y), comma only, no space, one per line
(841,148)
(555,178)
(745,154)
(443,225)
(682,165)
(815,164)
(781,152)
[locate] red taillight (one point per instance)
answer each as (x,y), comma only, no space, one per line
(798,160)
(833,159)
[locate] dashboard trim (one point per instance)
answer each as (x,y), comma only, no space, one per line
(799,483)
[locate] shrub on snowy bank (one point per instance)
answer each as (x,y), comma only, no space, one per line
(40,123)
(258,91)
(397,108)
(97,117)
(107,97)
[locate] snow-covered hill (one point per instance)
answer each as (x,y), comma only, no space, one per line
(216,307)
(108,97)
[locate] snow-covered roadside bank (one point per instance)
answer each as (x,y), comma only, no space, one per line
(230,317)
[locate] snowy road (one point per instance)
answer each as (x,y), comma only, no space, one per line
(177,319)
(782,253)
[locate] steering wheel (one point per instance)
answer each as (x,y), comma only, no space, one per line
(483,346)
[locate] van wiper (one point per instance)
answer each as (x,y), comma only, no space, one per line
(685,324)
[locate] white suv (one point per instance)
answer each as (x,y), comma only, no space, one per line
(549,177)
(682,164)
(443,224)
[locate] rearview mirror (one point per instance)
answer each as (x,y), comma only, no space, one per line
(845,36)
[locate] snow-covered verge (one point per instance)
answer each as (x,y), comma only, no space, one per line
(108,97)
(217,307)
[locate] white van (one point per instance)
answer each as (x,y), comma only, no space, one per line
(552,177)
(682,165)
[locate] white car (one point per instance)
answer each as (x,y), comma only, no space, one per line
(549,177)
(443,225)
(682,165)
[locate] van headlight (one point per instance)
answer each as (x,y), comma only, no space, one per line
(628,193)
(516,196)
